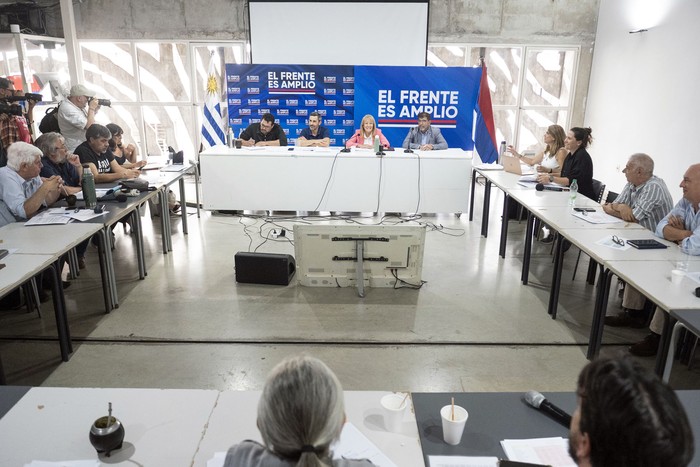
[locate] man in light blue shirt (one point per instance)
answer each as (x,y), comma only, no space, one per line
(424,136)
(681,225)
(22,190)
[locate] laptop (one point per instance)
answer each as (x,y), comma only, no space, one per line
(512,165)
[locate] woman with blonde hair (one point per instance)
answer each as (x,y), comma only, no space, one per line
(364,137)
(552,158)
(300,414)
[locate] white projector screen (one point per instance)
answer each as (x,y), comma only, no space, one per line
(339,33)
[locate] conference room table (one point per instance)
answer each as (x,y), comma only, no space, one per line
(684,319)
(48,243)
(326,179)
(189,427)
(504,181)
(173,427)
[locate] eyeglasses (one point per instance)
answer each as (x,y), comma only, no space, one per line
(617,240)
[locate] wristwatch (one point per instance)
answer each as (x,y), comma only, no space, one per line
(551,178)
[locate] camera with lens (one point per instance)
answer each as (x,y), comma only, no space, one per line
(102,102)
(10,109)
(30,96)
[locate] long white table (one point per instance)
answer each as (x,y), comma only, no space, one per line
(324,179)
(168,426)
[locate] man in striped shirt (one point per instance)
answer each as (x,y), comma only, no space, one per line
(645,200)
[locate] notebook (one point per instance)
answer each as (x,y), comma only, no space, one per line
(646,244)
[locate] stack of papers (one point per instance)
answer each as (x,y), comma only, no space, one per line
(62,216)
(546,451)
(597,217)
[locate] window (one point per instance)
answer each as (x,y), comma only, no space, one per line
(531,87)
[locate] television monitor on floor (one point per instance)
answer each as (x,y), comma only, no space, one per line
(327,255)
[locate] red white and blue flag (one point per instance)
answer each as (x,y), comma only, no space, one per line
(485,132)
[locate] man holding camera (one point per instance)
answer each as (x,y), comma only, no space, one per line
(15,125)
(73,118)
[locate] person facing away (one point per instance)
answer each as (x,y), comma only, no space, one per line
(264,133)
(300,414)
(315,134)
(627,417)
(424,136)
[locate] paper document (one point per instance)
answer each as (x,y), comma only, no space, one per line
(693,275)
(174,168)
(611,243)
(48,218)
(597,217)
(462,461)
(99,191)
(354,445)
(489,167)
(85,463)
(547,451)
(532,178)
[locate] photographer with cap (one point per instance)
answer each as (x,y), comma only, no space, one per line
(15,124)
(76,114)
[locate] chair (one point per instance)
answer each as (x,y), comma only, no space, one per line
(598,189)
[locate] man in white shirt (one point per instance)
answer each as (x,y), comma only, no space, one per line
(76,114)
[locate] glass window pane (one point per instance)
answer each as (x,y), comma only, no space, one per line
(49,68)
(109,70)
(504,119)
(448,55)
(168,126)
(163,71)
(533,125)
(548,77)
(503,64)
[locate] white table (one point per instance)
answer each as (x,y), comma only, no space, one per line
(168,426)
(324,179)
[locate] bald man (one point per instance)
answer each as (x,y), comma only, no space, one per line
(681,225)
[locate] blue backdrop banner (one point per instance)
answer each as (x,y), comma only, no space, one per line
(395,96)
(291,93)
(344,94)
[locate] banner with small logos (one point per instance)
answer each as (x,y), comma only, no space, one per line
(342,95)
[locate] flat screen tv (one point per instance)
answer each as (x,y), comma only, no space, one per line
(359,255)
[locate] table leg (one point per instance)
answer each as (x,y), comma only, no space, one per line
(590,276)
(671,350)
(595,339)
(59,306)
(109,260)
(164,213)
(485,211)
(471,196)
(528,248)
(136,225)
(556,277)
(196,186)
(183,206)
(104,273)
(504,226)
(664,345)
(3,381)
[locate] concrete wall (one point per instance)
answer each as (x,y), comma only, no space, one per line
(641,95)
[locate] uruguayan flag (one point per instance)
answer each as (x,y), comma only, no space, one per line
(213,133)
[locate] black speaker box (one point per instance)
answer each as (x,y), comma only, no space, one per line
(264,268)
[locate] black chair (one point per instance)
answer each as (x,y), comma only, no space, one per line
(598,189)
(612,196)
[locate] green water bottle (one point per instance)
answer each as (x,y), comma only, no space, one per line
(88,185)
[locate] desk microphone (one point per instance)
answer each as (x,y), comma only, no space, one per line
(541,187)
(537,400)
(119,197)
(410,138)
(345,148)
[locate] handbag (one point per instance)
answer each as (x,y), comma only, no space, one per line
(135,184)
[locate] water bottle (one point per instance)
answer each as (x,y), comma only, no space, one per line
(573,192)
(502,151)
(88,185)
(376,143)
(229,137)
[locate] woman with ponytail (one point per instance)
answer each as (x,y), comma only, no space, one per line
(300,414)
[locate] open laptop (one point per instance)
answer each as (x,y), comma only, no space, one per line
(512,165)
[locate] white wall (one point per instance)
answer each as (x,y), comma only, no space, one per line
(643,94)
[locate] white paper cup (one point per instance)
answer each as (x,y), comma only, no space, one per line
(452,429)
(677,276)
(394,406)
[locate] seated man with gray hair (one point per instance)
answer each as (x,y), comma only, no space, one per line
(645,199)
(57,161)
(22,190)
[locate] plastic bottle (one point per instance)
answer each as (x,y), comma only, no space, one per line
(376,143)
(501,151)
(230,138)
(88,185)
(573,192)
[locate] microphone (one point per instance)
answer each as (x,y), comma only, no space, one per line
(106,195)
(541,187)
(410,137)
(537,400)
(345,148)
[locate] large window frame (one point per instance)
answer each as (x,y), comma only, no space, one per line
(512,118)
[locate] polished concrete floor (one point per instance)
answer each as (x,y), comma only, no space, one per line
(472,327)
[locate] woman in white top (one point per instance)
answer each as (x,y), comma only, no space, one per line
(552,158)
